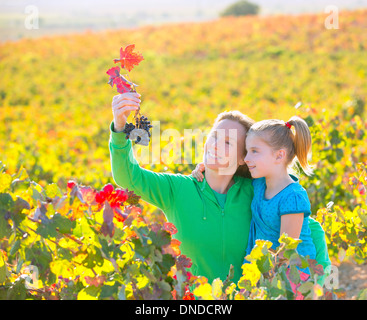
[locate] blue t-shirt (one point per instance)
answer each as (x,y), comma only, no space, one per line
(266,216)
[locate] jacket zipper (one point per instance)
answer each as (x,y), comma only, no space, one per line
(223,238)
(222,213)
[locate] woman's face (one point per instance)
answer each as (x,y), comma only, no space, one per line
(225,147)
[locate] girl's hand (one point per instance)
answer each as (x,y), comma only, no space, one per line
(197,173)
(122,105)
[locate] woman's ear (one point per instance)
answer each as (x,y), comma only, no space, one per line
(241,161)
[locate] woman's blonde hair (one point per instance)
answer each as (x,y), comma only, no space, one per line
(279,135)
(246,122)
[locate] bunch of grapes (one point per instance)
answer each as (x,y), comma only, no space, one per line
(140,131)
(143,123)
(128,128)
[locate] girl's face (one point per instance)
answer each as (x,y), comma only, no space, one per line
(225,147)
(260,157)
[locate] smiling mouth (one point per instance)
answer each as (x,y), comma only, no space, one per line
(214,156)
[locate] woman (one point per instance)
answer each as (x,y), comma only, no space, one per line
(212,216)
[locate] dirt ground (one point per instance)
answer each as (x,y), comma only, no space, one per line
(352,278)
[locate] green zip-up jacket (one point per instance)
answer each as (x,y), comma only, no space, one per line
(212,237)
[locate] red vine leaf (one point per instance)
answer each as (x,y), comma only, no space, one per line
(122,84)
(173,248)
(128,58)
(108,227)
(95,281)
(183,262)
(317,268)
(170,227)
(113,73)
(89,195)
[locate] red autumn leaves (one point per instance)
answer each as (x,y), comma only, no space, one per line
(119,204)
(112,200)
(128,59)
(109,198)
(114,197)
(122,85)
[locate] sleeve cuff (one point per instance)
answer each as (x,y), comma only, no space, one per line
(305,212)
(118,139)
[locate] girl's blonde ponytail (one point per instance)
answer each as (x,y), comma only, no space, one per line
(302,142)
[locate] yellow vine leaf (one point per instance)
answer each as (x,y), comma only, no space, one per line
(250,272)
(204,291)
(5,181)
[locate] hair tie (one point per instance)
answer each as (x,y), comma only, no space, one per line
(288,125)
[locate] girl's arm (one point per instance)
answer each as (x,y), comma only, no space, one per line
(291,224)
(317,235)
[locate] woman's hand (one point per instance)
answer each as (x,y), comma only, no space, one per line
(197,173)
(122,105)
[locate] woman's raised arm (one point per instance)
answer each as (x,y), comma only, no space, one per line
(158,189)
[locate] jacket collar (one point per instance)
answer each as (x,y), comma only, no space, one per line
(206,189)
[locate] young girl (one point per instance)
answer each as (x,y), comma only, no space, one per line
(280,204)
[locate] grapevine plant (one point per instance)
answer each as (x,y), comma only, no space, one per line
(84,244)
(99,244)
